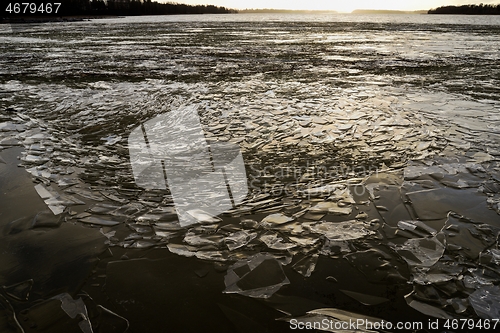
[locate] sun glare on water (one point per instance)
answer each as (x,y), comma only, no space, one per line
(337,5)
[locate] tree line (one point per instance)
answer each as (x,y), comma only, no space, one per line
(467,10)
(112,7)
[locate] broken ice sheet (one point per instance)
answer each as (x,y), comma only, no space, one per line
(141,244)
(494,204)
(467,238)
(331,207)
(426,308)
(374,130)
(340,230)
(163,214)
(423,252)
(259,276)
(108,321)
(168,226)
(481,157)
(84,194)
(102,209)
(35,171)
(343,195)
(239,239)
(57,209)
(51,198)
(43,192)
(304,241)
(34,159)
(460,305)
(46,219)
(114,197)
(108,234)
(274,241)
(75,308)
(98,221)
(182,250)
(111,140)
(274,220)
(201,216)
(332,247)
(417,226)
(212,255)
(67,200)
(435,204)
(491,256)
(306,265)
(425,278)
(486,302)
(478,278)
(194,239)
(9,126)
(379,265)
(66,182)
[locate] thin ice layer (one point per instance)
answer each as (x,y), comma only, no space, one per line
(259,276)
(422,252)
(74,308)
(340,231)
(486,302)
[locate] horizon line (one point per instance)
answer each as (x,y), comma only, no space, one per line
(333,10)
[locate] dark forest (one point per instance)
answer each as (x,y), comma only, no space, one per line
(109,7)
(468,10)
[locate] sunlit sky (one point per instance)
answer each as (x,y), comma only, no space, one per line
(338,5)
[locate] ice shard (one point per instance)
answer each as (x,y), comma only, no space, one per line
(259,276)
(486,302)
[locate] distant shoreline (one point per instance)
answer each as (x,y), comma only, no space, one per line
(386,11)
(47,19)
(285,11)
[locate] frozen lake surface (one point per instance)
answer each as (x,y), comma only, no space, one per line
(370,145)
